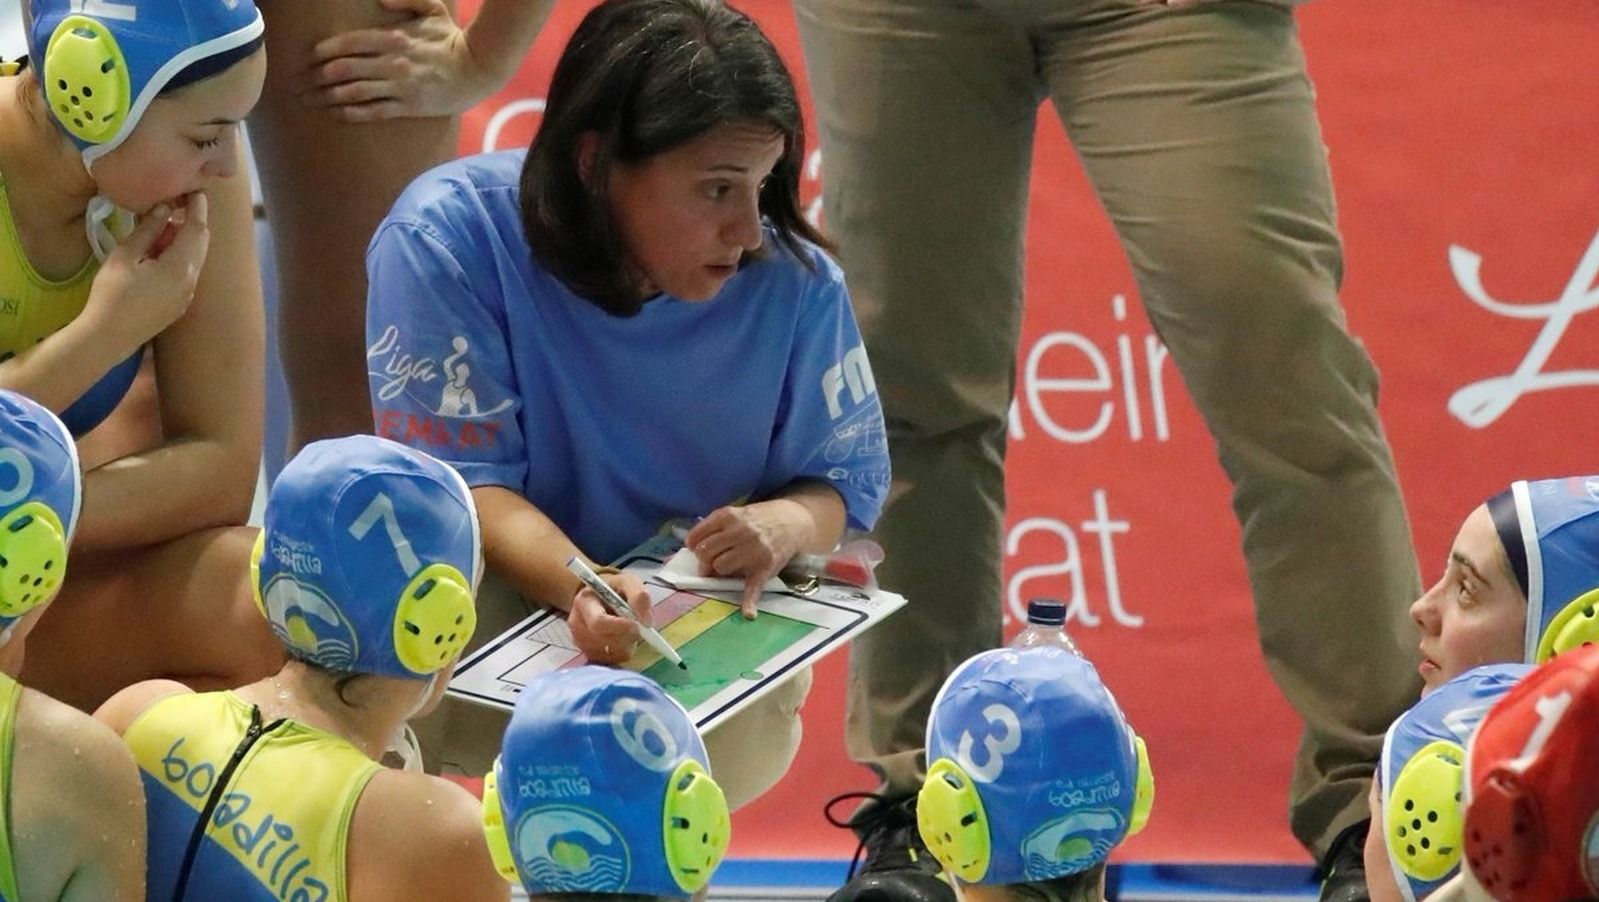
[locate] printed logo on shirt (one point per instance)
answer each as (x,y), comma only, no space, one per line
(854,373)
(862,435)
(10,307)
(419,430)
(399,372)
(857,451)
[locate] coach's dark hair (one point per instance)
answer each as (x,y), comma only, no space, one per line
(645,76)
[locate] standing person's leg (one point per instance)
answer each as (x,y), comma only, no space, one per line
(1198,131)
(926,113)
(327,185)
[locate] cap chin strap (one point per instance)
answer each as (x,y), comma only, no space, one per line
(403,745)
(106,224)
(403,742)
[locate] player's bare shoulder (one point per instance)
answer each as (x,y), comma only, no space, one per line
(420,837)
(77,803)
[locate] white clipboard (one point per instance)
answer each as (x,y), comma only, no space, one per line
(731,661)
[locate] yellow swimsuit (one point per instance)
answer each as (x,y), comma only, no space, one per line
(33,307)
(279,820)
(10,694)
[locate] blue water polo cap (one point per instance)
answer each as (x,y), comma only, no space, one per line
(1422,775)
(603,786)
(41,490)
(1034,773)
(102,62)
(369,558)
(1550,531)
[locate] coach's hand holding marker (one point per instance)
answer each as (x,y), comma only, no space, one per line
(619,606)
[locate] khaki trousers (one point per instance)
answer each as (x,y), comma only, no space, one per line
(749,753)
(1197,129)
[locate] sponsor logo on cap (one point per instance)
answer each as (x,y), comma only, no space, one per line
(572,849)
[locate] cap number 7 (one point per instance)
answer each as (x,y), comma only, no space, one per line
(382,508)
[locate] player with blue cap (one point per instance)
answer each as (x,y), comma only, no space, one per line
(99,66)
(126,117)
(1550,532)
(53,758)
(41,491)
(603,787)
(102,63)
(1034,776)
(1416,842)
(367,569)
(1522,582)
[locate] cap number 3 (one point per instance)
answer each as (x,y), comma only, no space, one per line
(997,747)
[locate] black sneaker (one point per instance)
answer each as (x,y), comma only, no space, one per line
(1344,867)
(898,867)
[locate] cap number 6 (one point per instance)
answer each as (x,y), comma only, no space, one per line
(24,468)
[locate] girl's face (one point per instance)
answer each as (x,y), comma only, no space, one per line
(185,141)
(689,214)
(1476,613)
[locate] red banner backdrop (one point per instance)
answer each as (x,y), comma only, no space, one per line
(1465,150)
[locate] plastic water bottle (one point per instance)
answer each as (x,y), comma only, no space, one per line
(1046,625)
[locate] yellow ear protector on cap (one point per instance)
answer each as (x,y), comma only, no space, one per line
(1576,625)
(33,558)
(694,825)
(1423,818)
(954,824)
(435,618)
(255,571)
(86,80)
(494,833)
(1144,794)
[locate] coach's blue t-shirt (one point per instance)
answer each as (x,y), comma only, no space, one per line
(609,425)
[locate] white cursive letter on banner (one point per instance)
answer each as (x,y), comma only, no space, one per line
(1480,403)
